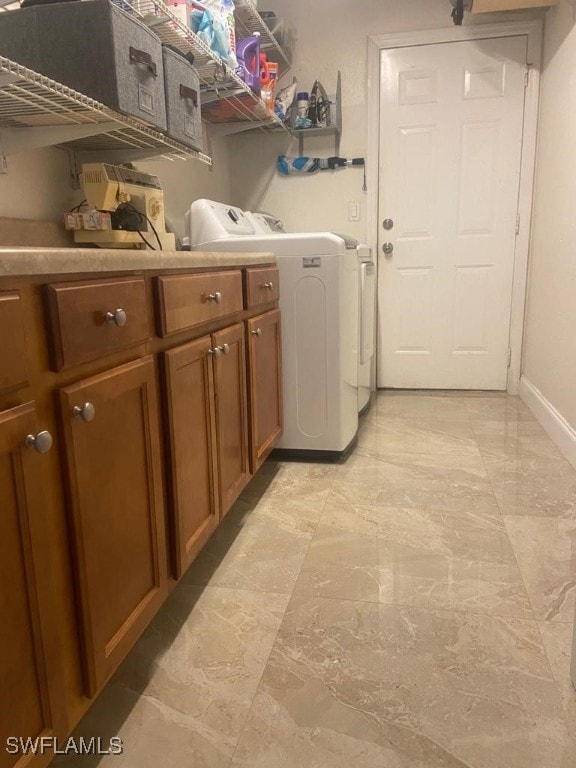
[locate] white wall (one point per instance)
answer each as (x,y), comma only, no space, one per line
(332,35)
(550,342)
(38,184)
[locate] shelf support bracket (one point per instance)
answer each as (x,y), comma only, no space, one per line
(15,140)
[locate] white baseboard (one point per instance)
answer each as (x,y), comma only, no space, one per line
(553,422)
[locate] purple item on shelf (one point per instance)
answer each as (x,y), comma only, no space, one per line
(248,55)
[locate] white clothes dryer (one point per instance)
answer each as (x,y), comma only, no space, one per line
(319,302)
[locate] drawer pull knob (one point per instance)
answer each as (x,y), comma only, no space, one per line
(269,286)
(118,317)
(225,349)
(215,297)
(86,412)
(216,352)
(257,332)
(42,442)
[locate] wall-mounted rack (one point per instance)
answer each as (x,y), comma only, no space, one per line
(333,129)
(226,99)
(38,112)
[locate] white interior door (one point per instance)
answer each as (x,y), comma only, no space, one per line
(451,125)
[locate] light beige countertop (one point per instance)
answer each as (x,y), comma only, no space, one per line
(57,261)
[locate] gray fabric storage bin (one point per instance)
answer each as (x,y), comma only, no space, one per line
(183,110)
(93,47)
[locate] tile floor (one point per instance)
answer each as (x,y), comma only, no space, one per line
(409,608)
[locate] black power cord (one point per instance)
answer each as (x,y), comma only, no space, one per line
(129,218)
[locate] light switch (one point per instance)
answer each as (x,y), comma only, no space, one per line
(353,211)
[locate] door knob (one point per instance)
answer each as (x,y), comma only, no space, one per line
(118,317)
(388,224)
(42,442)
(388,248)
(257,332)
(215,297)
(86,412)
(216,352)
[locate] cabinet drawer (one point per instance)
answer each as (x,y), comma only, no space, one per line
(13,369)
(187,301)
(262,286)
(93,319)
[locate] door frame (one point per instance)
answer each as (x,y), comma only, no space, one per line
(533,30)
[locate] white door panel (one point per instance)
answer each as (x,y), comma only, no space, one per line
(451,140)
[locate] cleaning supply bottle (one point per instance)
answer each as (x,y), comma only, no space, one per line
(228,13)
(248,55)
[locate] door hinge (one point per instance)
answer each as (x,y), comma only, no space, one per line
(518,222)
(527,75)
(509,358)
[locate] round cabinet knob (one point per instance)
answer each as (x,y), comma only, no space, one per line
(269,286)
(215,297)
(42,442)
(86,412)
(216,352)
(388,248)
(118,317)
(388,224)
(225,349)
(257,332)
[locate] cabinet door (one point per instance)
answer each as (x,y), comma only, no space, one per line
(29,667)
(192,432)
(264,385)
(231,413)
(113,451)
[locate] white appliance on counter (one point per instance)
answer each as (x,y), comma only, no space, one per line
(319,301)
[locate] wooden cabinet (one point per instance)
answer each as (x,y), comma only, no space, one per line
(191,420)
(13,368)
(188,301)
(92,319)
(262,286)
(30,676)
(114,470)
(265,385)
(231,413)
(83,532)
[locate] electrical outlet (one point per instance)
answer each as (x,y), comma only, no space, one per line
(353,211)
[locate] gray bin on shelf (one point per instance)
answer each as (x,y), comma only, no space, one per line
(183,110)
(93,47)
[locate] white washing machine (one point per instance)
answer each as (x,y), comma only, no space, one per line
(367,326)
(319,301)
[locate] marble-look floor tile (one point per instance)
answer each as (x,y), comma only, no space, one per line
(277,482)
(418,406)
(183,694)
(393,434)
(427,558)
(533,485)
(341,564)
(546,552)
(353,683)
(558,639)
(291,515)
(506,429)
(417,480)
(510,447)
(261,557)
(505,409)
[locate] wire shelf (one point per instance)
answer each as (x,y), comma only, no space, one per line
(32,101)
(225,97)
